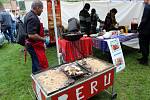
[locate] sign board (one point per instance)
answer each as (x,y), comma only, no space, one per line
(81,90)
(116,54)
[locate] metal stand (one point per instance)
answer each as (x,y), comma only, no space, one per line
(112,92)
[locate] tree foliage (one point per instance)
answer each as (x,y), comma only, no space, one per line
(4,1)
(22,5)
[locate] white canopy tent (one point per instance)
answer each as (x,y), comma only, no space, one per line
(127,10)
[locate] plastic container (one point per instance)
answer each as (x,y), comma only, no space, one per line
(126,28)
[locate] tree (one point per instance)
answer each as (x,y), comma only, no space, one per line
(21,5)
(1,6)
(4,1)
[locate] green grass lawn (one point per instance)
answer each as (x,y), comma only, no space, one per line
(15,82)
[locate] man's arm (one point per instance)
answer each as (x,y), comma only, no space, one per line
(36,37)
(32,28)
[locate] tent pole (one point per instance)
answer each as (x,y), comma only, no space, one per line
(83,3)
(108,5)
(55,29)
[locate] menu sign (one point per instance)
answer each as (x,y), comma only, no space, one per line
(116,54)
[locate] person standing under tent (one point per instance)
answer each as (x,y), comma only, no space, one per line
(110,20)
(144,34)
(94,20)
(35,40)
(85,20)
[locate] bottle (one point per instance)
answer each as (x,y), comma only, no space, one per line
(134,25)
(126,29)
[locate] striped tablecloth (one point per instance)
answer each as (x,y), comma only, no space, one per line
(102,44)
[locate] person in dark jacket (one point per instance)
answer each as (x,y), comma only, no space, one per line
(144,34)
(6,25)
(85,20)
(110,20)
(94,20)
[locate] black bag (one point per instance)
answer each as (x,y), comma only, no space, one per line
(21,33)
(73,25)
